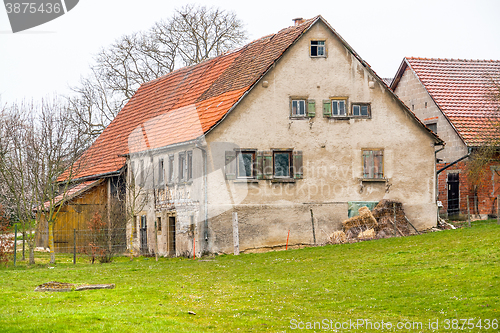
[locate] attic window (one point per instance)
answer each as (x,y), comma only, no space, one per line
(318,48)
(432,127)
(339,107)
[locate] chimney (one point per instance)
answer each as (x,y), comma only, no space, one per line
(298,21)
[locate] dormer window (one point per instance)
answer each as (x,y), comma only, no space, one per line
(318,48)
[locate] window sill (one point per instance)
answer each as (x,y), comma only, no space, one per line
(300,117)
(283,180)
(375,180)
(249,180)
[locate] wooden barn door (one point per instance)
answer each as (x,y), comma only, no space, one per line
(144,235)
(171,235)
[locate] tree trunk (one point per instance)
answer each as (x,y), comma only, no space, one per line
(32,255)
(51,243)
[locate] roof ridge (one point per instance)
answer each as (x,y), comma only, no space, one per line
(453,59)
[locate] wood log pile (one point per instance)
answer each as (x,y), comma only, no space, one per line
(375,224)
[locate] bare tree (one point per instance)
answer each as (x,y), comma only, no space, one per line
(192,33)
(37,145)
(488,151)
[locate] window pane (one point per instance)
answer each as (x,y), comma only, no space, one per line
(355,110)
(342,108)
(282,164)
(298,108)
(335,111)
(245,161)
(302,108)
(364,110)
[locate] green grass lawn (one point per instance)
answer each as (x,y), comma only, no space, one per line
(452,274)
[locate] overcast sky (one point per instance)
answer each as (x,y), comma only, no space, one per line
(47,59)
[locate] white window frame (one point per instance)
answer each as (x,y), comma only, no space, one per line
(297,101)
(319,47)
(337,101)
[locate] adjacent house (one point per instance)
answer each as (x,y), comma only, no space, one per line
(286,131)
(455,99)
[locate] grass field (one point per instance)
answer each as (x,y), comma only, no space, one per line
(440,276)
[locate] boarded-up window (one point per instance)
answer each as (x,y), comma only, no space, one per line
(373,163)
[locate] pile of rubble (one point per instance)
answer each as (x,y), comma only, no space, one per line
(375,224)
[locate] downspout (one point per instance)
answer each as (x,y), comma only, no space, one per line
(454,162)
(437,180)
(205,186)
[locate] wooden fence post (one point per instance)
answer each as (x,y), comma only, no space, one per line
(236,239)
(468,211)
(498,210)
(15,243)
(394,210)
(74,246)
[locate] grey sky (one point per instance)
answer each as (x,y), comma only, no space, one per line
(47,59)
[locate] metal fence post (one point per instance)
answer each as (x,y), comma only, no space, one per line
(15,243)
(74,246)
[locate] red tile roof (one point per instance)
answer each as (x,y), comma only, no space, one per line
(183,105)
(463,90)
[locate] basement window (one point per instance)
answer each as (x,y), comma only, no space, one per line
(318,48)
(373,164)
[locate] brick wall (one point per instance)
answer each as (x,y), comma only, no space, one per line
(482,198)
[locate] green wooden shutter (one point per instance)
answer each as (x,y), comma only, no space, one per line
(327,108)
(258,165)
(230,164)
(267,169)
(311,107)
(297,164)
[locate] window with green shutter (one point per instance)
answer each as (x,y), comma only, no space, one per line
(327,108)
(297,164)
(311,107)
(267,164)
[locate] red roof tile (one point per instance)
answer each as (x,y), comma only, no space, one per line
(184,104)
(463,90)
